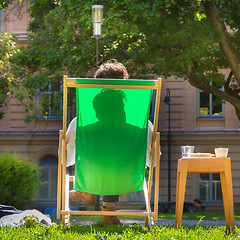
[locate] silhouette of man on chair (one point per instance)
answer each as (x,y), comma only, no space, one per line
(110,139)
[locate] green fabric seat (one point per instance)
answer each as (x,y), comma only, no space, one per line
(111,137)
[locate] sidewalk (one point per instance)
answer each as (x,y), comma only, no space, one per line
(129,221)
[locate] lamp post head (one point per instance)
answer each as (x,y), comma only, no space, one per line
(97,20)
(167,97)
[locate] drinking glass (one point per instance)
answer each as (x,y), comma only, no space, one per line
(186,150)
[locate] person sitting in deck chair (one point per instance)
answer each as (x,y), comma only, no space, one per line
(116,70)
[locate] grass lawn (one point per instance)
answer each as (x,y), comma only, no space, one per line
(102,231)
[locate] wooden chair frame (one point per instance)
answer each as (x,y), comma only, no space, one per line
(64,179)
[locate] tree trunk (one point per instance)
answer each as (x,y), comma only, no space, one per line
(229,50)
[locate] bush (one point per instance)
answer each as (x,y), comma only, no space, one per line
(19,180)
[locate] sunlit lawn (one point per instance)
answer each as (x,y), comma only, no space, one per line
(134,231)
(100,231)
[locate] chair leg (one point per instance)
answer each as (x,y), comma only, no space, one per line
(157,173)
(149,219)
(64,181)
(67,218)
(59,182)
(59,192)
(180,194)
(65,196)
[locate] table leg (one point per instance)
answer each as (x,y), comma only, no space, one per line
(177,197)
(229,189)
(180,194)
(225,198)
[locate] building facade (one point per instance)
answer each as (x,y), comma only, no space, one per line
(37,140)
(194,119)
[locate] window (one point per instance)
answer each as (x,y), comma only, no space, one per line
(49,106)
(209,105)
(210,187)
(48,191)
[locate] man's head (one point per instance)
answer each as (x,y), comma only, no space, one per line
(197,202)
(112,69)
(105,104)
(111,99)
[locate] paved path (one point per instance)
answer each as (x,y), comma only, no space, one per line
(209,223)
(184,222)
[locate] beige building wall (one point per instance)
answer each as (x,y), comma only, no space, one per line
(30,138)
(188,129)
(40,137)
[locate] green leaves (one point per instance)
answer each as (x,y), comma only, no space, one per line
(162,37)
(18,180)
(10,71)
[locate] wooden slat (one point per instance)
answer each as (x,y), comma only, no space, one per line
(198,165)
(71,82)
(59,175)
(157,172)
(157,104)
(64,106)
(107,213)
(64,143)
(74,85)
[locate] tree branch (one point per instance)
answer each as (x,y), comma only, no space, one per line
(196,82)
(231,54)
(14,11)
(227,84)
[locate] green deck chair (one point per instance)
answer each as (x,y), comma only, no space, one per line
(111,142)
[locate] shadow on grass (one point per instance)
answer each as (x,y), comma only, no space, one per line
(103,231)
(103,227)
(186,216)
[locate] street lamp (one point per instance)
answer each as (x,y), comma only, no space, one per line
(97,20)
(167,100)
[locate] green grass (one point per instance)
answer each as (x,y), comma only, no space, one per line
(101,231)
(32,230)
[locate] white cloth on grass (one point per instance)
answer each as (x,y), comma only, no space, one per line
(16,220)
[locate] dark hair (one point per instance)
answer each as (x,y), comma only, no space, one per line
(197,200)
(105,103)
(115,96)
(112,69)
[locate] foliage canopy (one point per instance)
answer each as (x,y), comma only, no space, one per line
(10,70)
(191,39)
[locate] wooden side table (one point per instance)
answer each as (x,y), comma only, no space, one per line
(205,165)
